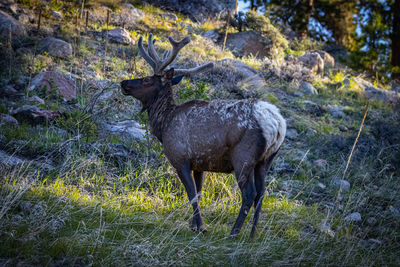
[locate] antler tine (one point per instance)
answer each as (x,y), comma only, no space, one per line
(153,53)
(145,55)
(192,71)
(176,47)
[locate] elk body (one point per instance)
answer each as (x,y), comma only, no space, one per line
(240,136)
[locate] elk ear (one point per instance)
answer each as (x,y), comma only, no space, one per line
(177,80)
(169,74)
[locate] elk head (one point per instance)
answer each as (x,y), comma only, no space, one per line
(145,89)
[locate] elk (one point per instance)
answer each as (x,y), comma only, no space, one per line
(240,136)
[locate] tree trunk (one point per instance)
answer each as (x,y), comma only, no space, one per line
(396,39)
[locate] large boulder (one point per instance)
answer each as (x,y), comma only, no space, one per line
(199,10)
(127,129)
(251,78)
(248,42)
(35,114)
(120,36)
(128,17)
(52,79)
(313,61)
(8,23)
(55,47)
(375,93)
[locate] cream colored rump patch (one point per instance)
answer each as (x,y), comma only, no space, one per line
(272,124)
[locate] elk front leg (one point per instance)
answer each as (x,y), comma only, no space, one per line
(186,177)
(198,179)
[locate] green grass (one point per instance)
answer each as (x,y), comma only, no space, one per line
(137,223)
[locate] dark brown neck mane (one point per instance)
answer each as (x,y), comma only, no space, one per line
(160,109)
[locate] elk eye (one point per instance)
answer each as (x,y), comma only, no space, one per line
(146,80)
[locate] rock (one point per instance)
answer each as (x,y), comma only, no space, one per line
(52,79)
(24,18)
(336,111)
(313,61)
(329,61)
(120,36)
(127,18)
(8,160)
(375,93)
(298,94)
(55,47)
(212,35)
(35,100)
(6,23)
(8,119)
(308,88)
(371,221)
(249,43)
(321,163)
(353,217)
(57,15)
(321,185)
(291,134)
(128,129)
(345,185)
(199,10)
(395,86)
(394,211)
(169,16)
(326,228)
(9,90)
(250,78)
(128,5)
(35,114)
(343,128)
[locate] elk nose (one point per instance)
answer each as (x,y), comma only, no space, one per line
(123,83)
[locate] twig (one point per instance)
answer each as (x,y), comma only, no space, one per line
(355,142)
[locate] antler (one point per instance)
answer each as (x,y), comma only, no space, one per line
(168,57)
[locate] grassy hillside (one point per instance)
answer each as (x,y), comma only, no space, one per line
(84,196)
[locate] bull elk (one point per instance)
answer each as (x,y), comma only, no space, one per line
(240,136)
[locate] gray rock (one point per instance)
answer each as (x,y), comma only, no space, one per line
(343,128)
(371,221)
(353,217)
(321,163)
(169,16)
(345,185)
(313,61)
(212,35)
(249,43)
(127,18)
(35,114)
(55,47)
(128,129)
(24,18)
(128,5)
(346,82)
(120,36)
(375,93)
(8,119)
(9,160)
(57,15)
(8,90)
(52,79)
(8,23)
(326,228)
(35,100)
(250,77)
(298,94)
(395,87)
(394,211)
(308,88)
(336,111)
(292,134)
